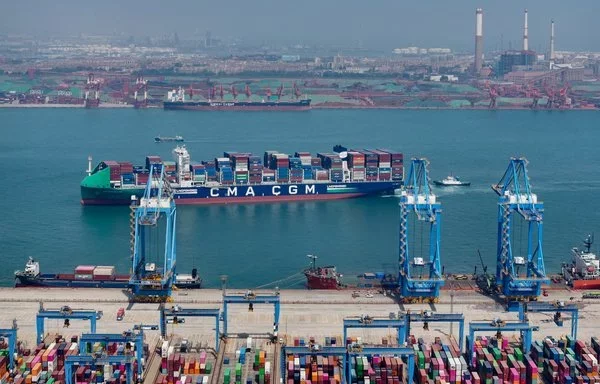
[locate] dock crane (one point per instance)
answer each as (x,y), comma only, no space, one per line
(417,196)
(147,283)
(515,196)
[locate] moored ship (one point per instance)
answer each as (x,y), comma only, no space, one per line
(176,100)
(584,270)
(245,178)
(89,276)
(322,277)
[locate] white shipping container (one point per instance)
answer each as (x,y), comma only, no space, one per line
(385,165)
(296,362)
(108,370)
(302,375)
(249,343)
(73,347)
(205,380)
(176,374)
(50,366)
(171,351)
(164,349)
(267,367)
(83,277)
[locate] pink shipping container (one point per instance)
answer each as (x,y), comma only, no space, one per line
(84,269)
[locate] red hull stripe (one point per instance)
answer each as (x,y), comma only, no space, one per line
(243,200)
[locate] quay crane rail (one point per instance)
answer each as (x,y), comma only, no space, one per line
(65,313)
(418,197)
(514,191)
(147,283)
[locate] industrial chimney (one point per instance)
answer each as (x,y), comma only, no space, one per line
(525,35)
(552,40)
(478,41)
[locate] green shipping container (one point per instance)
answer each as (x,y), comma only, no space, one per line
(208,368)
(421,360)
(227,376)
(518,354)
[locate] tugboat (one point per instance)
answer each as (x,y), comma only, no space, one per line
(321,277)
(584,270)
(451,181)
(160,139)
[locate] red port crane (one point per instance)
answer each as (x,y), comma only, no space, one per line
(221,93)
(247,91)
(493,97)
(191,92)
(279,92)
(234,92)
(212,92)
(297,92)
(268,93)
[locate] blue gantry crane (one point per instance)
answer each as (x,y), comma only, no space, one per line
(137,339)
(557,308)
(11,335)
(498,326)
(366,321)
(72,360)
(346,354)
(515,196)
(64,313)
(251,298)
(177,314)
(427,317)
(418,198)
(147,282)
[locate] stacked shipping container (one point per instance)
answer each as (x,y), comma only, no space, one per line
(177,368)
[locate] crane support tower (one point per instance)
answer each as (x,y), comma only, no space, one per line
(515,196)
(176,314)
(11,335)
(557,308)
(427,317)
(366,321)
(64,313)
(250,298)
(418,197)
(147,282)
(136,339)
(498,326)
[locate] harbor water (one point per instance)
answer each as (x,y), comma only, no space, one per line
(43,157)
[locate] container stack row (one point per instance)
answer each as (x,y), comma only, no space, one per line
(262,367)
(234,374)
(376,370)
(245,168)
(313,370)
(180,368)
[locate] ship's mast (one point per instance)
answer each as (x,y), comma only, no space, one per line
(313,260)
(89,170)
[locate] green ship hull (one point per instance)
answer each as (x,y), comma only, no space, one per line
(96,190)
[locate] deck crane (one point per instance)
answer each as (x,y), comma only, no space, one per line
(516,197)
(234,92)
(148,283)
(279,92)
(268,91)
(247,91)
(417,196)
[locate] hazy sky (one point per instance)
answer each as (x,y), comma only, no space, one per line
(382,24)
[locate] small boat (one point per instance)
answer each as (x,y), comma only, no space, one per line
(321,277)
(160,139)
(451,181)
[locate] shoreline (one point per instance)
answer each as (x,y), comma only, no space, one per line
(316,107)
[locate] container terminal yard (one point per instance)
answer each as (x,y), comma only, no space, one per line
(515,327)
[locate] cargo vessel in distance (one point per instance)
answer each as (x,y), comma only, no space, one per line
(584,270)
(245,178)
(89,276)
(176,101)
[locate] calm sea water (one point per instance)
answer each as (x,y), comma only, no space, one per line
(43,156)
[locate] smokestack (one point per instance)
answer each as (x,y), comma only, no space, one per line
(478,41)
(552,40)
(525,35)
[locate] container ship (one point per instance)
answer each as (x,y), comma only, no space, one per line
(584,270)
(176,101)
(90,276)
(245,178)
(322,277)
